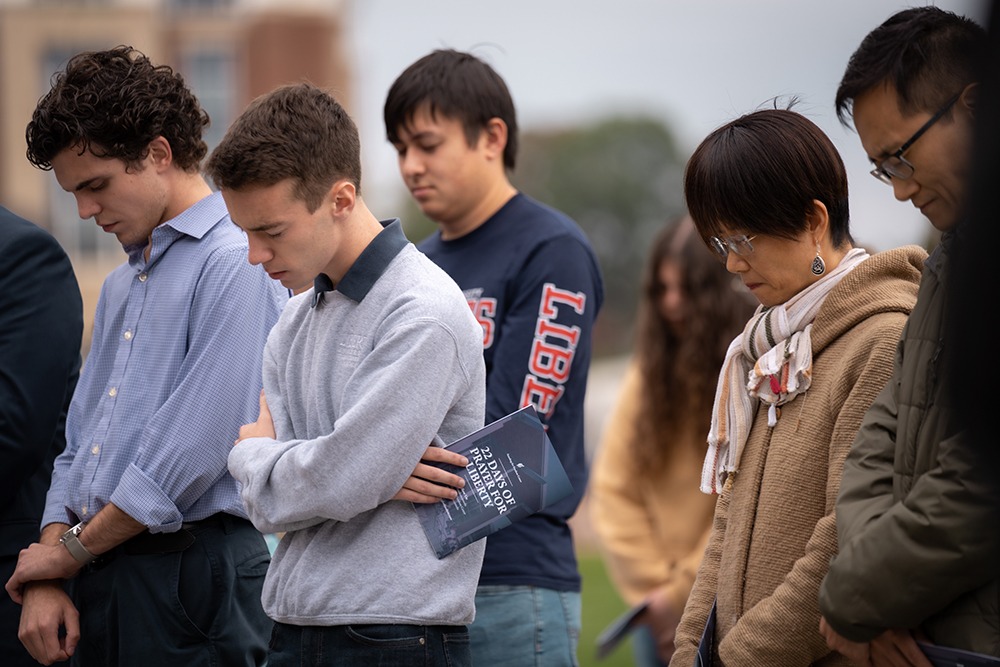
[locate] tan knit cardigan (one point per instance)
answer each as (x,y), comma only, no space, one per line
(774,529)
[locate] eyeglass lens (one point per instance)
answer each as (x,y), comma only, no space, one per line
(896,166)
(738,245)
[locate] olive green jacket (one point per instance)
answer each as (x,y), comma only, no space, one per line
(917,519)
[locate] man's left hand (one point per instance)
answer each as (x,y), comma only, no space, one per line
(40,562)
(262,428)
(897,648)
(857,652)
(430,484)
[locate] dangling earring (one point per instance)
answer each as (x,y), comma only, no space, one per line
(818,265)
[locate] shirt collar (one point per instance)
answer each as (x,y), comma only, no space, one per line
(368,267)
(195,221)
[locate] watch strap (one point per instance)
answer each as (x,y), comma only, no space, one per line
(71,538)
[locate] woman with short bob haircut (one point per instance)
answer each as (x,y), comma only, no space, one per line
(768,194)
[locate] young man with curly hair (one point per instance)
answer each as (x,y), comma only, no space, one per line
(146,554)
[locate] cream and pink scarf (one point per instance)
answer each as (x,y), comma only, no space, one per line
(770,362)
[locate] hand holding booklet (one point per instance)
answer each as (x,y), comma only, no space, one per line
(513,472)
(619,629)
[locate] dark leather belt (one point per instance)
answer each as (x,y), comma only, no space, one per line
(147,543)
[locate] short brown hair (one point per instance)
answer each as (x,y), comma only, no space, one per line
(296,131)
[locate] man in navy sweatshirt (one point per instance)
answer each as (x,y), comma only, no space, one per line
(534,284)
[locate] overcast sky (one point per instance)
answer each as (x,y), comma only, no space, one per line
(694,63)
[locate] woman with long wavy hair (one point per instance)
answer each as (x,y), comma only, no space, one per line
(650,518)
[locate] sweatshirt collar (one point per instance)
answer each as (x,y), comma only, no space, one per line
(368,267)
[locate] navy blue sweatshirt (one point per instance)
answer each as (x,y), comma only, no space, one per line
(533,282)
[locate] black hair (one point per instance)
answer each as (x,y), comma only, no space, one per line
(926,54)
(760,174)
(456,85)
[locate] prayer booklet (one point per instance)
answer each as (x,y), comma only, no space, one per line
(513,472)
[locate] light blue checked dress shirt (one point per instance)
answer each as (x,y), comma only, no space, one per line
(173,371)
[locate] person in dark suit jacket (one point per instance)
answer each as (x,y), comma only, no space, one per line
(974,251)
(41,327)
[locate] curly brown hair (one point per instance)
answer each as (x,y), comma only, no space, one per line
(113,103)
(680,369)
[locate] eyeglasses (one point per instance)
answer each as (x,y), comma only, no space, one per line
(896,166)
(738,245)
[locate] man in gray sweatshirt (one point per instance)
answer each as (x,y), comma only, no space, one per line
(379,358)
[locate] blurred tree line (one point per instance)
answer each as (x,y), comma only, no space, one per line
(621,179)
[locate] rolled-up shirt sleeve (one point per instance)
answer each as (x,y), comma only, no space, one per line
(174,371)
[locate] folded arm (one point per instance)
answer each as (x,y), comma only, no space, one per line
(368,457)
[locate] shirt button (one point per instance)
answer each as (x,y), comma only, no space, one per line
(142,277)
(83,511)
(113,391)
(128,334)
(95,449)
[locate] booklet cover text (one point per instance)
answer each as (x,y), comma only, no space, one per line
(513,472)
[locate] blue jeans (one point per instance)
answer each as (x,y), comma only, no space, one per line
(525,626)
(364,645)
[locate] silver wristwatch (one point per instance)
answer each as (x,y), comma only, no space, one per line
(71,538)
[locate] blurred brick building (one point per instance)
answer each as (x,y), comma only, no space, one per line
(229,51)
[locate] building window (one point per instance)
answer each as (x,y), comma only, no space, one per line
(192,5)
(211,73)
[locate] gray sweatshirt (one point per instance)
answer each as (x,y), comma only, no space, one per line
(359,385)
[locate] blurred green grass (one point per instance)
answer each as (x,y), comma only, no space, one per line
(601,605)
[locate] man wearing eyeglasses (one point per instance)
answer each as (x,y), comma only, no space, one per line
(917,510)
